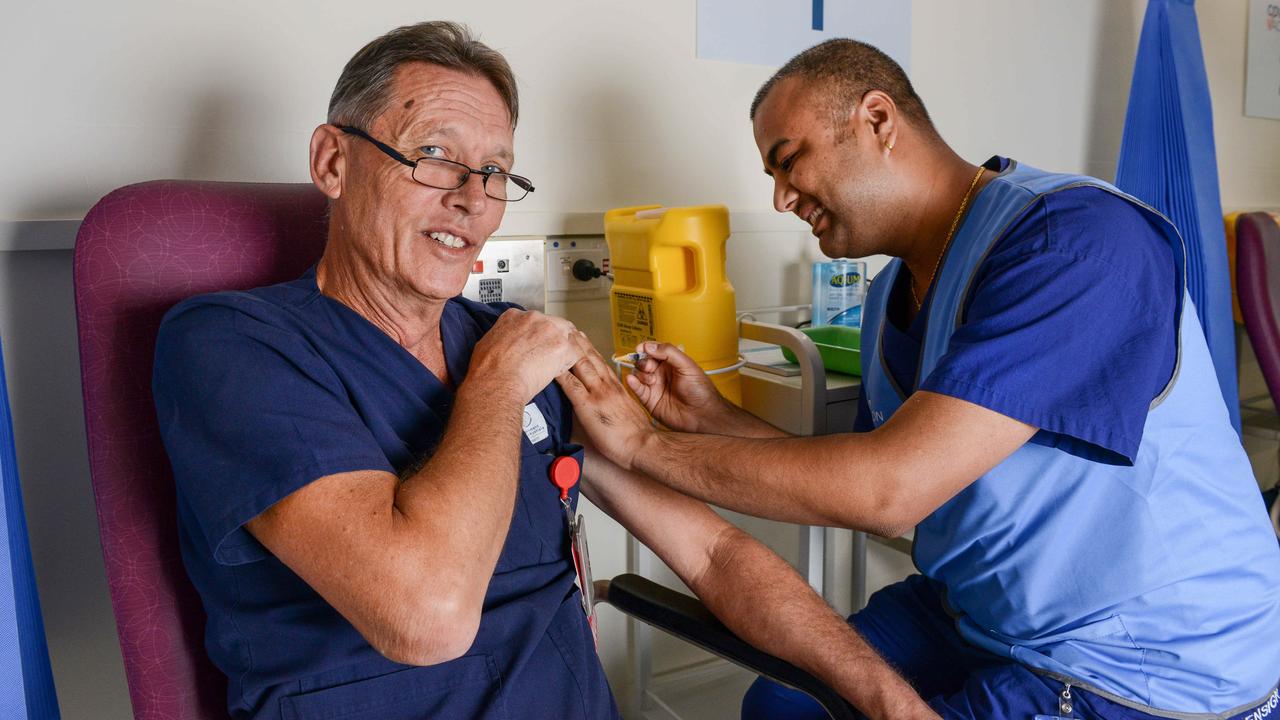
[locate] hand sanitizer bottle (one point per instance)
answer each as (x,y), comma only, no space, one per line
(839,288)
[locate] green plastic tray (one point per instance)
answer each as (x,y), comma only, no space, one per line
(839,346)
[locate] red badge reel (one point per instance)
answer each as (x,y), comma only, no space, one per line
(564,473)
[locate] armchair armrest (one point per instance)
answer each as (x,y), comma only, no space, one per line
(688,619)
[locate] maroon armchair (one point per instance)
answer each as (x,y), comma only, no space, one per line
(140,250)
(1258,287)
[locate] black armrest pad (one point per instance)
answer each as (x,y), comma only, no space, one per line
(688,619)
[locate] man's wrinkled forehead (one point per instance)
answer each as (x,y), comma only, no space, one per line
(432,131)
(429,101)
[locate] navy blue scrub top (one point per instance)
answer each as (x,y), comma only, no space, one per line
(1069,326)
(259,393)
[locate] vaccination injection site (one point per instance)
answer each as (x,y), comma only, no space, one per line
(676,360)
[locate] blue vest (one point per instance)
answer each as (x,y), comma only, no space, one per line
(1156,585)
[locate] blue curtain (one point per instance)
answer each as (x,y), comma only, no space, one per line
(26,680)
(1167,159)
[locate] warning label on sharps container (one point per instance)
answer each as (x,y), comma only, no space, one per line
(634,314)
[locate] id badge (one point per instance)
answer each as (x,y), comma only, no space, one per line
(582,568)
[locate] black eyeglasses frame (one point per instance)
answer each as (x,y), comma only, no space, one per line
(464,171)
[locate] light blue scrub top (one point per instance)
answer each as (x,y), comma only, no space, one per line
(1156,584)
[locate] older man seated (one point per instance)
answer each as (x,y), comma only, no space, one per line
(369,522)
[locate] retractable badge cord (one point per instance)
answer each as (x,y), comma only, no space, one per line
(564,472)
(1064,706)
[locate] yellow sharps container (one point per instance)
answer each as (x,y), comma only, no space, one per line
(669,285)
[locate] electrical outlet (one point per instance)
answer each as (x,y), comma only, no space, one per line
(561,284)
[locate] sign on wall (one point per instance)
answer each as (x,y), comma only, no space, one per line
(1262,78)
(770,32)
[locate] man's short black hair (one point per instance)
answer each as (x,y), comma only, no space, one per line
(842,71)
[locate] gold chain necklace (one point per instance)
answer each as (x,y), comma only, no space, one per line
(955,221)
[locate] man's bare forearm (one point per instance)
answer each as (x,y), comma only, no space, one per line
(752,590)
(809,480)
(765,602)
(408,562)
(733,421)
(461,500)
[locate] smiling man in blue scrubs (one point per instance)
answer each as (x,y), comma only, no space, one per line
(362,457)
(1038,404)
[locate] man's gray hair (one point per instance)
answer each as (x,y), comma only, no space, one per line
(844,70)
(364,87)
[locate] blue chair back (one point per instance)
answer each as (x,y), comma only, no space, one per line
(26,679)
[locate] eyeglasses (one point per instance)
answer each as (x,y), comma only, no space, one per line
(444,174)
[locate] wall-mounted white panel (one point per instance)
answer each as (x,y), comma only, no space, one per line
(770,32)
(1262,79)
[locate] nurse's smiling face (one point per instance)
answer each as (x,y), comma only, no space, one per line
(411,238)
(828,171)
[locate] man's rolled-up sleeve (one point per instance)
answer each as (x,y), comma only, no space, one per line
(1072,332)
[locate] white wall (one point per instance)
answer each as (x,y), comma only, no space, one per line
(614,107)
(616,111)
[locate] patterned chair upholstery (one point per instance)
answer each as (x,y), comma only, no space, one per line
(140,250)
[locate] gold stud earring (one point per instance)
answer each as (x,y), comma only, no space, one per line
(889,146)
